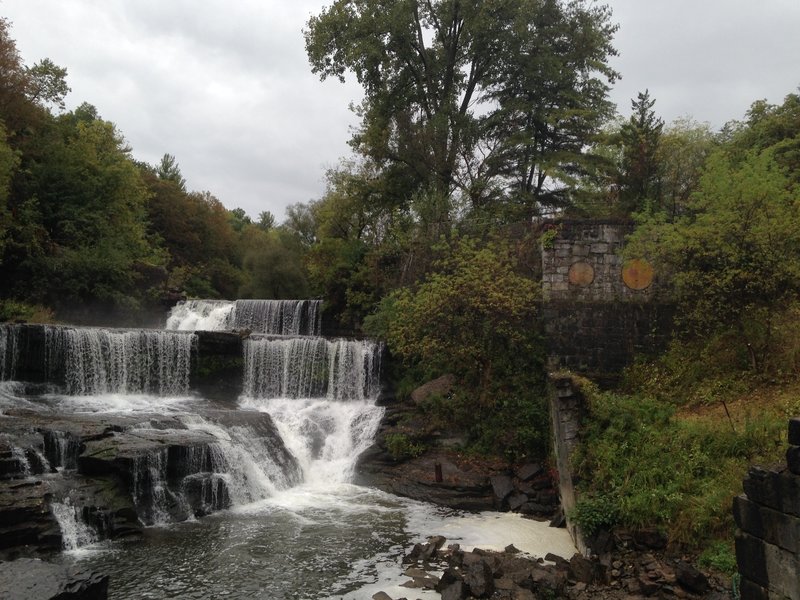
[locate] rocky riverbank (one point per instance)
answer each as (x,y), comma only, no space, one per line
(627,574)
(446,476)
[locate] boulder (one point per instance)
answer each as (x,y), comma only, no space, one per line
(529,471)
(502,487)
(33,579)
(691,579)
(440,386)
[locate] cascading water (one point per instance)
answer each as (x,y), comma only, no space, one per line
(8,351)
(98,361)
(321,395)
(75,533)
(311,368)
(275,468)
(276,317)
(279,317)
(199,315)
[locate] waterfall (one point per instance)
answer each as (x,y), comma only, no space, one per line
(311,368)
(321,396)
(74,531)
(149,488)
(61,449)
(252,465)
(278,317)
(9,351)
(98,361)
(200,315)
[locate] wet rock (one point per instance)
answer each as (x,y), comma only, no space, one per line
(691,579)
(478,576)
(582,569)
(529,471)
(502,487)
(33,579)
(381,596)
(516,500)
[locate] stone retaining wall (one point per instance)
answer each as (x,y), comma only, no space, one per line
(598,310)
(768,537)
(567,409)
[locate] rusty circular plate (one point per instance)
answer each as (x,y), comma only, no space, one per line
(637,274)
(581,274)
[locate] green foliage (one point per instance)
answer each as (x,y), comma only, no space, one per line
(11,310)
(468,314)
(474,316)
(540,68)
(640,137)
(401,447)
(679,474)
(273,261)
(733,263)
(595,513)
(719,555)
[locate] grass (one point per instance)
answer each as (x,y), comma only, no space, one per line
(651,463)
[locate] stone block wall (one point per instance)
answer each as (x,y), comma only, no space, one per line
(581,262)
(768,536)
(598,311)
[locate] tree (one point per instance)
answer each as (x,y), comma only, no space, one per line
(168,170)
(639,183)
(682,151)
(8,164)
(266,220)
(424,67)
(474,317)
(47,84)
(273,262)
(733,261)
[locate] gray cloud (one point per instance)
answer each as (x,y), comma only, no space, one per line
(226,88)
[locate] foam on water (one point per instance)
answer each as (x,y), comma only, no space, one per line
(200,315)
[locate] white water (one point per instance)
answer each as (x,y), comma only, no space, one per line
(200,315)
(311,368)
(8,351)
(276,317)
(74,532)
(245,460)
(99,361)
(292,531)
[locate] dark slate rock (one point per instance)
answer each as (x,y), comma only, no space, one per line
(793,459)
(691,579)
(516,500)
(582,569)
(33,579)
(794,431)
(479,577)
(502,486)
(529,471)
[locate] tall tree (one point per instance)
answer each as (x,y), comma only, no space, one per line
(168,170)
(425,65)
(640,137)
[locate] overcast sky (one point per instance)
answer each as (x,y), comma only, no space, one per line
(224,85)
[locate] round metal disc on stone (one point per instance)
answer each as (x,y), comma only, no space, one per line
(581,274)
(637,274)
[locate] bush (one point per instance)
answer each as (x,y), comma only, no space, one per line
(595,513)
(676,473)
(719,555)
(401,447)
